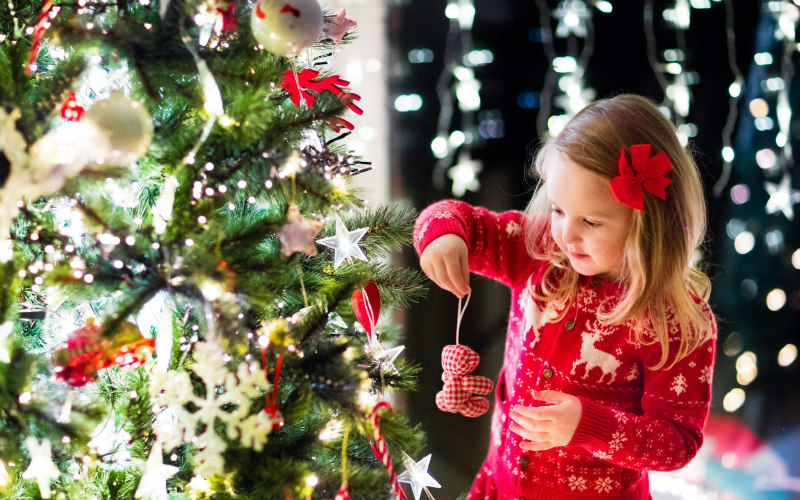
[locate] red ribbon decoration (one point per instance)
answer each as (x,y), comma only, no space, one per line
(382,451)
(38,30)
(299,84)
(642,174)
(269,399)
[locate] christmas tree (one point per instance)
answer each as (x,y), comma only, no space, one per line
(190,285)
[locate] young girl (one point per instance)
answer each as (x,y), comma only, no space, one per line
(610,344)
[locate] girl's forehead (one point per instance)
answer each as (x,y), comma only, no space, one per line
(572,186)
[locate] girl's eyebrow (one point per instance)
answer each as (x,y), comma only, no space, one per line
(600,214)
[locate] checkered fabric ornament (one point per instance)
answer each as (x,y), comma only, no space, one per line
(457,396)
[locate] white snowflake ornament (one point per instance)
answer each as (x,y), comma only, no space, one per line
(41,469)
(227,399)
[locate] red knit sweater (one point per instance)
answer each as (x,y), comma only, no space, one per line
(633,419)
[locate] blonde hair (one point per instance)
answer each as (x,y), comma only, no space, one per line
(658,274)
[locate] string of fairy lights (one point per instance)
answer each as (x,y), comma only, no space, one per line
(771,112)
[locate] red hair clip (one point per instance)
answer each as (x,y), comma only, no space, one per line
(642,174)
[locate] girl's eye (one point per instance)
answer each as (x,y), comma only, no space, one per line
(556,211)
(591,224)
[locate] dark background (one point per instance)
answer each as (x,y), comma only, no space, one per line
(619,63)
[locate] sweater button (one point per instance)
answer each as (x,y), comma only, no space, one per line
(569,325)
(524,462)
(595,281)
(547,373)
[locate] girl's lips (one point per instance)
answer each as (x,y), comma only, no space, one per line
(577,255)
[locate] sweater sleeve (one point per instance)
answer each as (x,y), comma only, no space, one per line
(668,432)
(495,241)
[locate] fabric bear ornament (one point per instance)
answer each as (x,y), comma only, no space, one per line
(457,396)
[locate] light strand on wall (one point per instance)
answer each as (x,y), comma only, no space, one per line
(458,86)
(565,74)
(781,195)
(677,94)
(774,165)
(734,93)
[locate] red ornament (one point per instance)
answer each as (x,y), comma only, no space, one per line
(458,362)
(366,302)
(85,352)
(71,110)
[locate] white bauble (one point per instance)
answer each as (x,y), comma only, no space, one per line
(63,152)
(285,27)
(127,126)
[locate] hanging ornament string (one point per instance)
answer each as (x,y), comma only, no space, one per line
(343,494)
(462,391)
(382,451)
(461,311)
(212,98)
(373,337)
(344,458)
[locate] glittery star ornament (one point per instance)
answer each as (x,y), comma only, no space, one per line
(153,484)
(782,197)
(416,474)
(345,243)
(383,357)
(298,234)
(336,26)
(41,469)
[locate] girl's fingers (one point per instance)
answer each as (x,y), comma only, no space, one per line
(528,434)
(530,412)
(536,445)
(456,278)
(463,260)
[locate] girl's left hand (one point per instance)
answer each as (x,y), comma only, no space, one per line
(545,427)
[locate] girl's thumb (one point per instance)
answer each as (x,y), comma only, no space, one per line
(549,396)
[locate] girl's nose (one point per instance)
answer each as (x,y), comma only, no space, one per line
(569,233)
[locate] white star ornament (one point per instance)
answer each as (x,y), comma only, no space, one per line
(345,243)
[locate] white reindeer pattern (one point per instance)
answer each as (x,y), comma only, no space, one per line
(593,357)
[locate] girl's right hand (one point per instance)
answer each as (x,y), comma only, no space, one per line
(445,261)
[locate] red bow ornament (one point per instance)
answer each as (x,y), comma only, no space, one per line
(457,395)
(642,174)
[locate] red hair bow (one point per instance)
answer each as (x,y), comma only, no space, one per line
(643,174)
